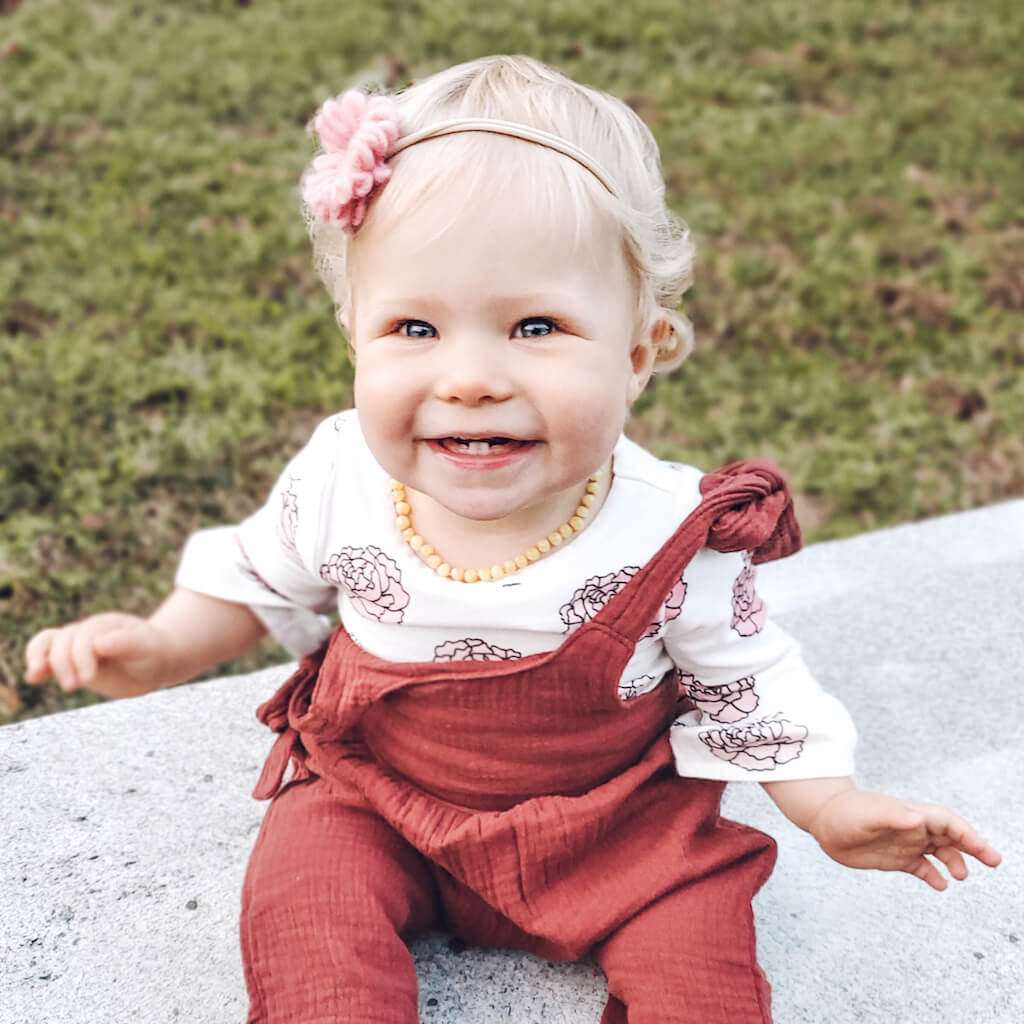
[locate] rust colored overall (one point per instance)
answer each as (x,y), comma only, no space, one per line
(517,803)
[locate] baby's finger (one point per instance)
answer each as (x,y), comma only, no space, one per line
(988,855)
(83,658)
(37,656)
(948,829)
(980,850)
(927,872)
(972,843)
(954,861)
(60,658)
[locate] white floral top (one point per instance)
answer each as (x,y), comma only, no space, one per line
(326,539)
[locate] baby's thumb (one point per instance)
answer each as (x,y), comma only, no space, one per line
(126,643)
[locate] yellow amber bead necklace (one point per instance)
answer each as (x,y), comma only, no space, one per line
(536,551)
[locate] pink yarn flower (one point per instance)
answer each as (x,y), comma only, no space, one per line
(356,132)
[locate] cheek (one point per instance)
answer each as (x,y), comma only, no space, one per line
(590,408)
(604,384)
(387,399)
(362,394)
(373,400)
(374,378)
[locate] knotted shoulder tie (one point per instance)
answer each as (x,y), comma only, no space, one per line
(745,506)
(752,510)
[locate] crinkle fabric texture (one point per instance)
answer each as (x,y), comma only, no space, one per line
(519,802)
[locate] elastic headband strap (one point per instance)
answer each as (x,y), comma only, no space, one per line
(512,129)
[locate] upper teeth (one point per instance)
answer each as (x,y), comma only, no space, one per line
(475,447)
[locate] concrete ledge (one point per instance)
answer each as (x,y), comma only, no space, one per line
(126,826)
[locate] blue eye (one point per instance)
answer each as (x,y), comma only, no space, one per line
(534,327)
(415,329)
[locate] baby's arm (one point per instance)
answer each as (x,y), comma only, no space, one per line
(121,655)
(223,599)
(872,830)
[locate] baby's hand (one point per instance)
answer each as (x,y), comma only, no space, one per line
(871,830)
(114,654)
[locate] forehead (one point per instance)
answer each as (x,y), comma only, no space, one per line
(489,203)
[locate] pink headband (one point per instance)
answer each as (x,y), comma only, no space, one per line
(359,134)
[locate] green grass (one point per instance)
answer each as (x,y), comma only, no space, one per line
(851,171)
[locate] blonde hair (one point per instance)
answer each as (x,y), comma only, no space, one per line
(657,244)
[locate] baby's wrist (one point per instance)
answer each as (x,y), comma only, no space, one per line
(803,800)
(170,657)
(193,632)
(824,816)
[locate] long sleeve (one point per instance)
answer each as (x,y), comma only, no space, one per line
(269,561)
(755,712)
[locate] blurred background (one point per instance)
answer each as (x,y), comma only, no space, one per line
(852,173)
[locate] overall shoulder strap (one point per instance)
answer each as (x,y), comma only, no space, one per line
(746,506)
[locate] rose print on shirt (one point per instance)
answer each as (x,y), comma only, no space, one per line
(728,703)
(758,746)
(288,524)
(473,649)
(595,593)
(748,610)
(371,579)
(635,687)
(669,610)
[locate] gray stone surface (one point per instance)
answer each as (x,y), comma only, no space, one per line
(126,826)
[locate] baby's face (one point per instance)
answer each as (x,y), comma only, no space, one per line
(496,357)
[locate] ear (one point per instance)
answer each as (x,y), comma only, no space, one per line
(642,357)
(342,318)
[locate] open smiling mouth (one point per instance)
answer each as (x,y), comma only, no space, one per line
(480,445)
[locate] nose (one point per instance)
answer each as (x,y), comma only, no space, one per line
(473,371)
